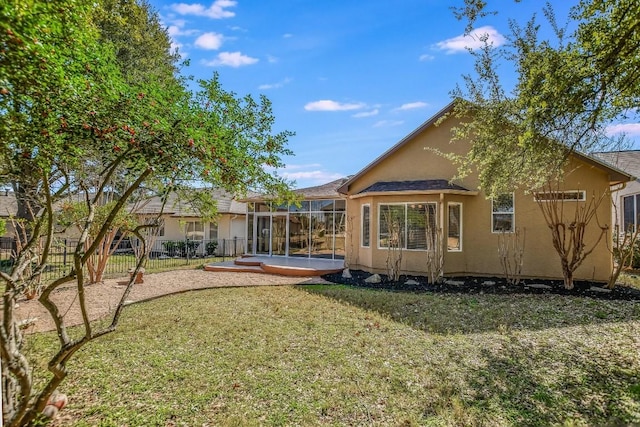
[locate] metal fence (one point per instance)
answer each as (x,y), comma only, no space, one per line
(163,255)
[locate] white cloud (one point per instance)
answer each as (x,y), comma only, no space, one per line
(305,175)
(209,41)
(272,59)
(387,123)
(473,40)
(274,85)
(328,105)
(411,106)
(175,31)
(177,46)
(366,114)
(630,129)
(426,57)
(217,10)
(231,59)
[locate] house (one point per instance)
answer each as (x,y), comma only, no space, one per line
(410,182)
(626,201)
(179,222)
(314,228)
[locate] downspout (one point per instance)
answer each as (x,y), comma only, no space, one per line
(442,227)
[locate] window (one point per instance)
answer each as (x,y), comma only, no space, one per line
(213,231)
(454,227)
(503,213)
(407,225)
(194,230)
(366,226)
(572,196)
(631,212)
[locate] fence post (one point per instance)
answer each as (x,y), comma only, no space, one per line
(235,246)
(224,248)
(64,256)
(186,248)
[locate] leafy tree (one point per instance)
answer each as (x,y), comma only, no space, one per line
(74,125)
(568,90)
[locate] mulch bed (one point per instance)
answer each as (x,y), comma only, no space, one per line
(487,285)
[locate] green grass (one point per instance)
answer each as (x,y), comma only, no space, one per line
(333,355)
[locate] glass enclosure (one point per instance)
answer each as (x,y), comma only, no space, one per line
(315,228)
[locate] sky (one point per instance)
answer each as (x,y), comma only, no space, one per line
(351,78)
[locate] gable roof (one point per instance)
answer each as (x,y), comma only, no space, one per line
(626,160)
(616,175)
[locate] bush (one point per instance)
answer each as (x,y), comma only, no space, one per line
(181,248)
(211,247)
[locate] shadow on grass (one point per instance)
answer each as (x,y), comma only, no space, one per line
(448,313)
(567,384)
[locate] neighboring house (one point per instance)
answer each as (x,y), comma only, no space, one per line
(8,208)
(626,201)
(413,182)
(316,228)
(181,222)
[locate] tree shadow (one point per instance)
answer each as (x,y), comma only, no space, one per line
(465,313)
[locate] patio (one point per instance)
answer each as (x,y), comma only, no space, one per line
(285,266)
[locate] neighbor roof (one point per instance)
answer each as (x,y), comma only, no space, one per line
(175,207)
(324,191)
(627,160)
(615,174)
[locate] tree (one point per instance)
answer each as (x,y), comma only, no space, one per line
(75,126)
(568,90)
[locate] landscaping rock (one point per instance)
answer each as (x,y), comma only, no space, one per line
(375,278)
(411,282)
(489,283)
(454,282)
(538,286)
(346,274)
(598,289)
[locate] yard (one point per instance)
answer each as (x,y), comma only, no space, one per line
(334,355)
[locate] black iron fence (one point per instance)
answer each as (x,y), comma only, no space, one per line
(163,254)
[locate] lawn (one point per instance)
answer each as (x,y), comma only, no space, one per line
(333,355)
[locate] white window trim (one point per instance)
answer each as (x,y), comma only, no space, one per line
(405,204)
(461,228)
(582,194)
(362,245)
(636,208)
(513,197)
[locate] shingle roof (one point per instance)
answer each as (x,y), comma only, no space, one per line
(176,207)
(628,161)
(421,185)
(8,204)
(324,191)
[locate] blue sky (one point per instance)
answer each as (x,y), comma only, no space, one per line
(349,77)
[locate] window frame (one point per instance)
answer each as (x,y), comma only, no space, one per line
(406,225)
(635,207)
(582,196)
(512,213)
(362,226)
(187,232)
(460,226)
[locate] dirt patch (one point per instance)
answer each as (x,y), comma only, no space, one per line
(102,298)
(488,285)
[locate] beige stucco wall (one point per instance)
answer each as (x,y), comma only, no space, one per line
(479,255)
(229,226)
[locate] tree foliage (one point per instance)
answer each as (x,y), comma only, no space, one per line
(91,109)
(568,90)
